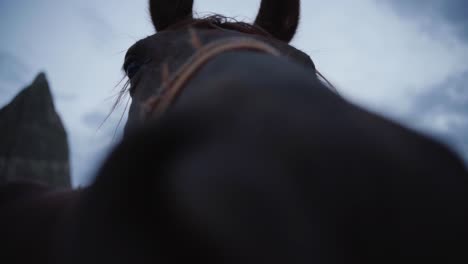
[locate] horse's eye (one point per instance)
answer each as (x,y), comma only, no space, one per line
(131,69)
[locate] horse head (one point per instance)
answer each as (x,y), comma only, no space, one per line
(153,62)
(252,160)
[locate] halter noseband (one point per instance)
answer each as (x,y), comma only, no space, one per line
(157,105)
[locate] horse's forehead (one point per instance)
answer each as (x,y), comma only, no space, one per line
(159,42)
(166,44)
(180,43)
(181,37)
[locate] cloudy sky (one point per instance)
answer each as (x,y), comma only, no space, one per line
(403,59)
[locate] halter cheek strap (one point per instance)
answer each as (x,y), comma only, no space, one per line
(158,105)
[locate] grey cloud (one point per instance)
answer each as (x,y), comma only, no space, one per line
(85,161)
(91,147)
(12,69)
(452,94)
(14,73)
(105,125)
(67,97)
(94,120)
(442,112)
(98,27)
(453,11)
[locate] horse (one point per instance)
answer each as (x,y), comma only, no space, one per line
(237,150)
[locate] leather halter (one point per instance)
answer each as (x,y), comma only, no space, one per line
(158,105)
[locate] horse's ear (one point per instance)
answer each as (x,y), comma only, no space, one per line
(280,18)
(165,13)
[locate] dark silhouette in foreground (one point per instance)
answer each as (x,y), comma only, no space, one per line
(255,160)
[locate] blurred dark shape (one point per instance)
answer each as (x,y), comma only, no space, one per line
(33,141)
(253,160)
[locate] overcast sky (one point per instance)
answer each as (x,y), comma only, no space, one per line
(403,59)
